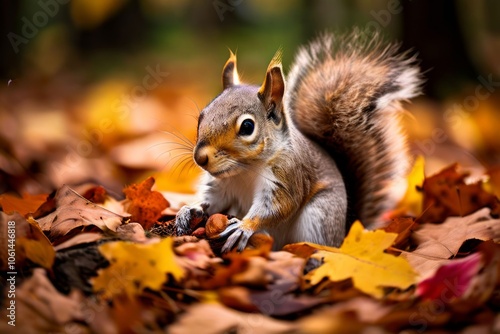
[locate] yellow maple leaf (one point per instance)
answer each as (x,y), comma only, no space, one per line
(411,203)
(135,267)
(361,258)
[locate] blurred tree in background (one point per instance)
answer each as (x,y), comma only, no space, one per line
(456,40)
(68,68)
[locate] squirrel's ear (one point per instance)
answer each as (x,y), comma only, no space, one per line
(272,90)
(230,75)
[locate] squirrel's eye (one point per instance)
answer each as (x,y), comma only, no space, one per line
(247,127)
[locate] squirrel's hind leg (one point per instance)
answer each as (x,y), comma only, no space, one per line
(322,220)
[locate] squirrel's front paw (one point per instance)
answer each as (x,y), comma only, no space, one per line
(188,217)
(238,235)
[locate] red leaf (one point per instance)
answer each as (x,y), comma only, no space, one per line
(451,280)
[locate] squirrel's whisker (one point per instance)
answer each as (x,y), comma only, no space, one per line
(189,147)
(174,159)
(181,162)
(179,135)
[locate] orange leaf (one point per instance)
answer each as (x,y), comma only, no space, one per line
(27,204)
(143,204)
(446,194)
(403,227)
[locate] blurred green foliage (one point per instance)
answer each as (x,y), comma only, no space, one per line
(456,40)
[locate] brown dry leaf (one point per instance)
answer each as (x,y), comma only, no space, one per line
(72,211)
(96,194)
(421,317)
(197,260)
(254,275)
(81,238)
(483,285)
(132,232)
(403,227)
(269,286)
(98,317)
(446,194)
(302,250)
(140,315)
(285,267)
(213,318)
(195,254)
(282,300)
(25,238)
(129,232)
(222,273)
(27,204)
(40,308)
(242,270)
(246,268)
(143,204)
(282,297)
(352,316)
(438,243)
(238,298)
(36,246)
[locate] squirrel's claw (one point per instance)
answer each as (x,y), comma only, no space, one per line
(188,217)
(238,236)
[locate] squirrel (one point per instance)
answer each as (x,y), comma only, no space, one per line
(302,159)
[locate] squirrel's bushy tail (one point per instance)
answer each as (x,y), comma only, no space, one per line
(345,93)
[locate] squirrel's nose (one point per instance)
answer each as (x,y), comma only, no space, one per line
(201,157)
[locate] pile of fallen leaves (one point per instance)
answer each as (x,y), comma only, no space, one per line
(87,262)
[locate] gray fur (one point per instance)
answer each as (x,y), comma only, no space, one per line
(345,92)
(338,114)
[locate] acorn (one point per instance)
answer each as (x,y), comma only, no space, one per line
(216,223)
